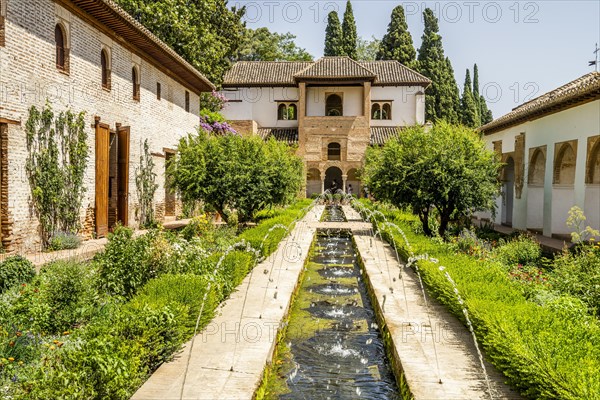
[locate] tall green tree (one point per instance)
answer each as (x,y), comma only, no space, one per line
(441,97)
(333,36)
(366,50)
(206,33)
(397,43)
(349,35)
(445,173)
(469,115)
(263,45)
(485,114)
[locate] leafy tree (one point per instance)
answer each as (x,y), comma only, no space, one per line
(485,114)
(206,33)
(333,36)
(397,43)
(468,106)
(441,97)
(262,45)
(445,171)
(366,50)
(349,36)
(241,173)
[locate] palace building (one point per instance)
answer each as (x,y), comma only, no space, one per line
(333,109)
(90,55)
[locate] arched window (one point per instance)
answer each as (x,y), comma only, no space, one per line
(135,80)
(59,39)
(594,165)
(386,111)
(333,106)
(564,168)
(537,168)
(282,113)
(375,111)
(104,63)
(292,112)
(334,151)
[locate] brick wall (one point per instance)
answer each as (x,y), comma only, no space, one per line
(30,77)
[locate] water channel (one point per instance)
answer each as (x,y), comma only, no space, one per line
(332,348)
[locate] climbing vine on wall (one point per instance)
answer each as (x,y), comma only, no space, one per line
(57,155)
(145,182)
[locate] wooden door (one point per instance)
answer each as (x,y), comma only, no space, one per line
(102,160)
(123,175)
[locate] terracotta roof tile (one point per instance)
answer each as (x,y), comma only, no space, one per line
(287,135)
(264,73)
(381,134)
(335,67)
(582,89)
(391,72)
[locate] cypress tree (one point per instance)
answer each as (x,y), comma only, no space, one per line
(333,35)
(469,110)
(349,36)
(485,115)
(397,43)
(441,97)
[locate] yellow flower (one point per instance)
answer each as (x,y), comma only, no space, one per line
(11,359)
(52,347)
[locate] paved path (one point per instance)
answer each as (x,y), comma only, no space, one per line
(228,358)
(548,243)
(85,252)
(432,344)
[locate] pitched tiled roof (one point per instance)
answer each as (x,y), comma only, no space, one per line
(335,67)
(264,73)
(381,134)
(287,135)
(391,72)
(579,91)
(287,73)
(109,14)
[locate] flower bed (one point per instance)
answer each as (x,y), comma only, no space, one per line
(544,339)
(98,330)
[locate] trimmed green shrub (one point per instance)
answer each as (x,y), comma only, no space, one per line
(522,250)
(14,271)
(64,241)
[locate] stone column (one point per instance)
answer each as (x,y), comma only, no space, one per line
(344,177)
(301,115)
(323,184)
(367,100)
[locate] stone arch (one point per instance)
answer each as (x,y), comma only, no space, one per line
(334,151)
(106,67)
(564,166)
(593,173)
(537,168)
(334,105)
(508,190)
(333,175)
(375,111)
(313,181)
(135,82)
(282,112)
(62,47)
(353,181)
(292,112)
(386,111)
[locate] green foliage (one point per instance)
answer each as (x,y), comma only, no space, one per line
(15,270)
(205,33)
(469,107)
(484,113)
(441,97)
(366,50)
(397,43)
(447,169)
(523,250)
(547,351)
(349,36)
(145,184)
(64,241)
(57,154)
(333,36)
(576,222)
(262,45)
(237,173)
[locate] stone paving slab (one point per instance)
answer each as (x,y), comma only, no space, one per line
(229,356)
(432,344)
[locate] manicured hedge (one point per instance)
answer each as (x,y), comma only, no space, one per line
(547,352)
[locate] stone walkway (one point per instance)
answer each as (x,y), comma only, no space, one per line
(85,252)
(549,244)
(228,358)
(433,346)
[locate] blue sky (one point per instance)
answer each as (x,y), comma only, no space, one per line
(522,48)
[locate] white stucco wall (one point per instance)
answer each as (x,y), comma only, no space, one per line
(352,100)
(259,104)
(406,107)
(577,123)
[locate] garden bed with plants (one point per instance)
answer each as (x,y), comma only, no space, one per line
(98,329)
(536,318)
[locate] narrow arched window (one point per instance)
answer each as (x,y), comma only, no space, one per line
(187,101)
(59,39)
(386,111)
(282,113)
(104,63)
(334,106)
(375,111)
(292,112)
(135,81)
(334,151)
